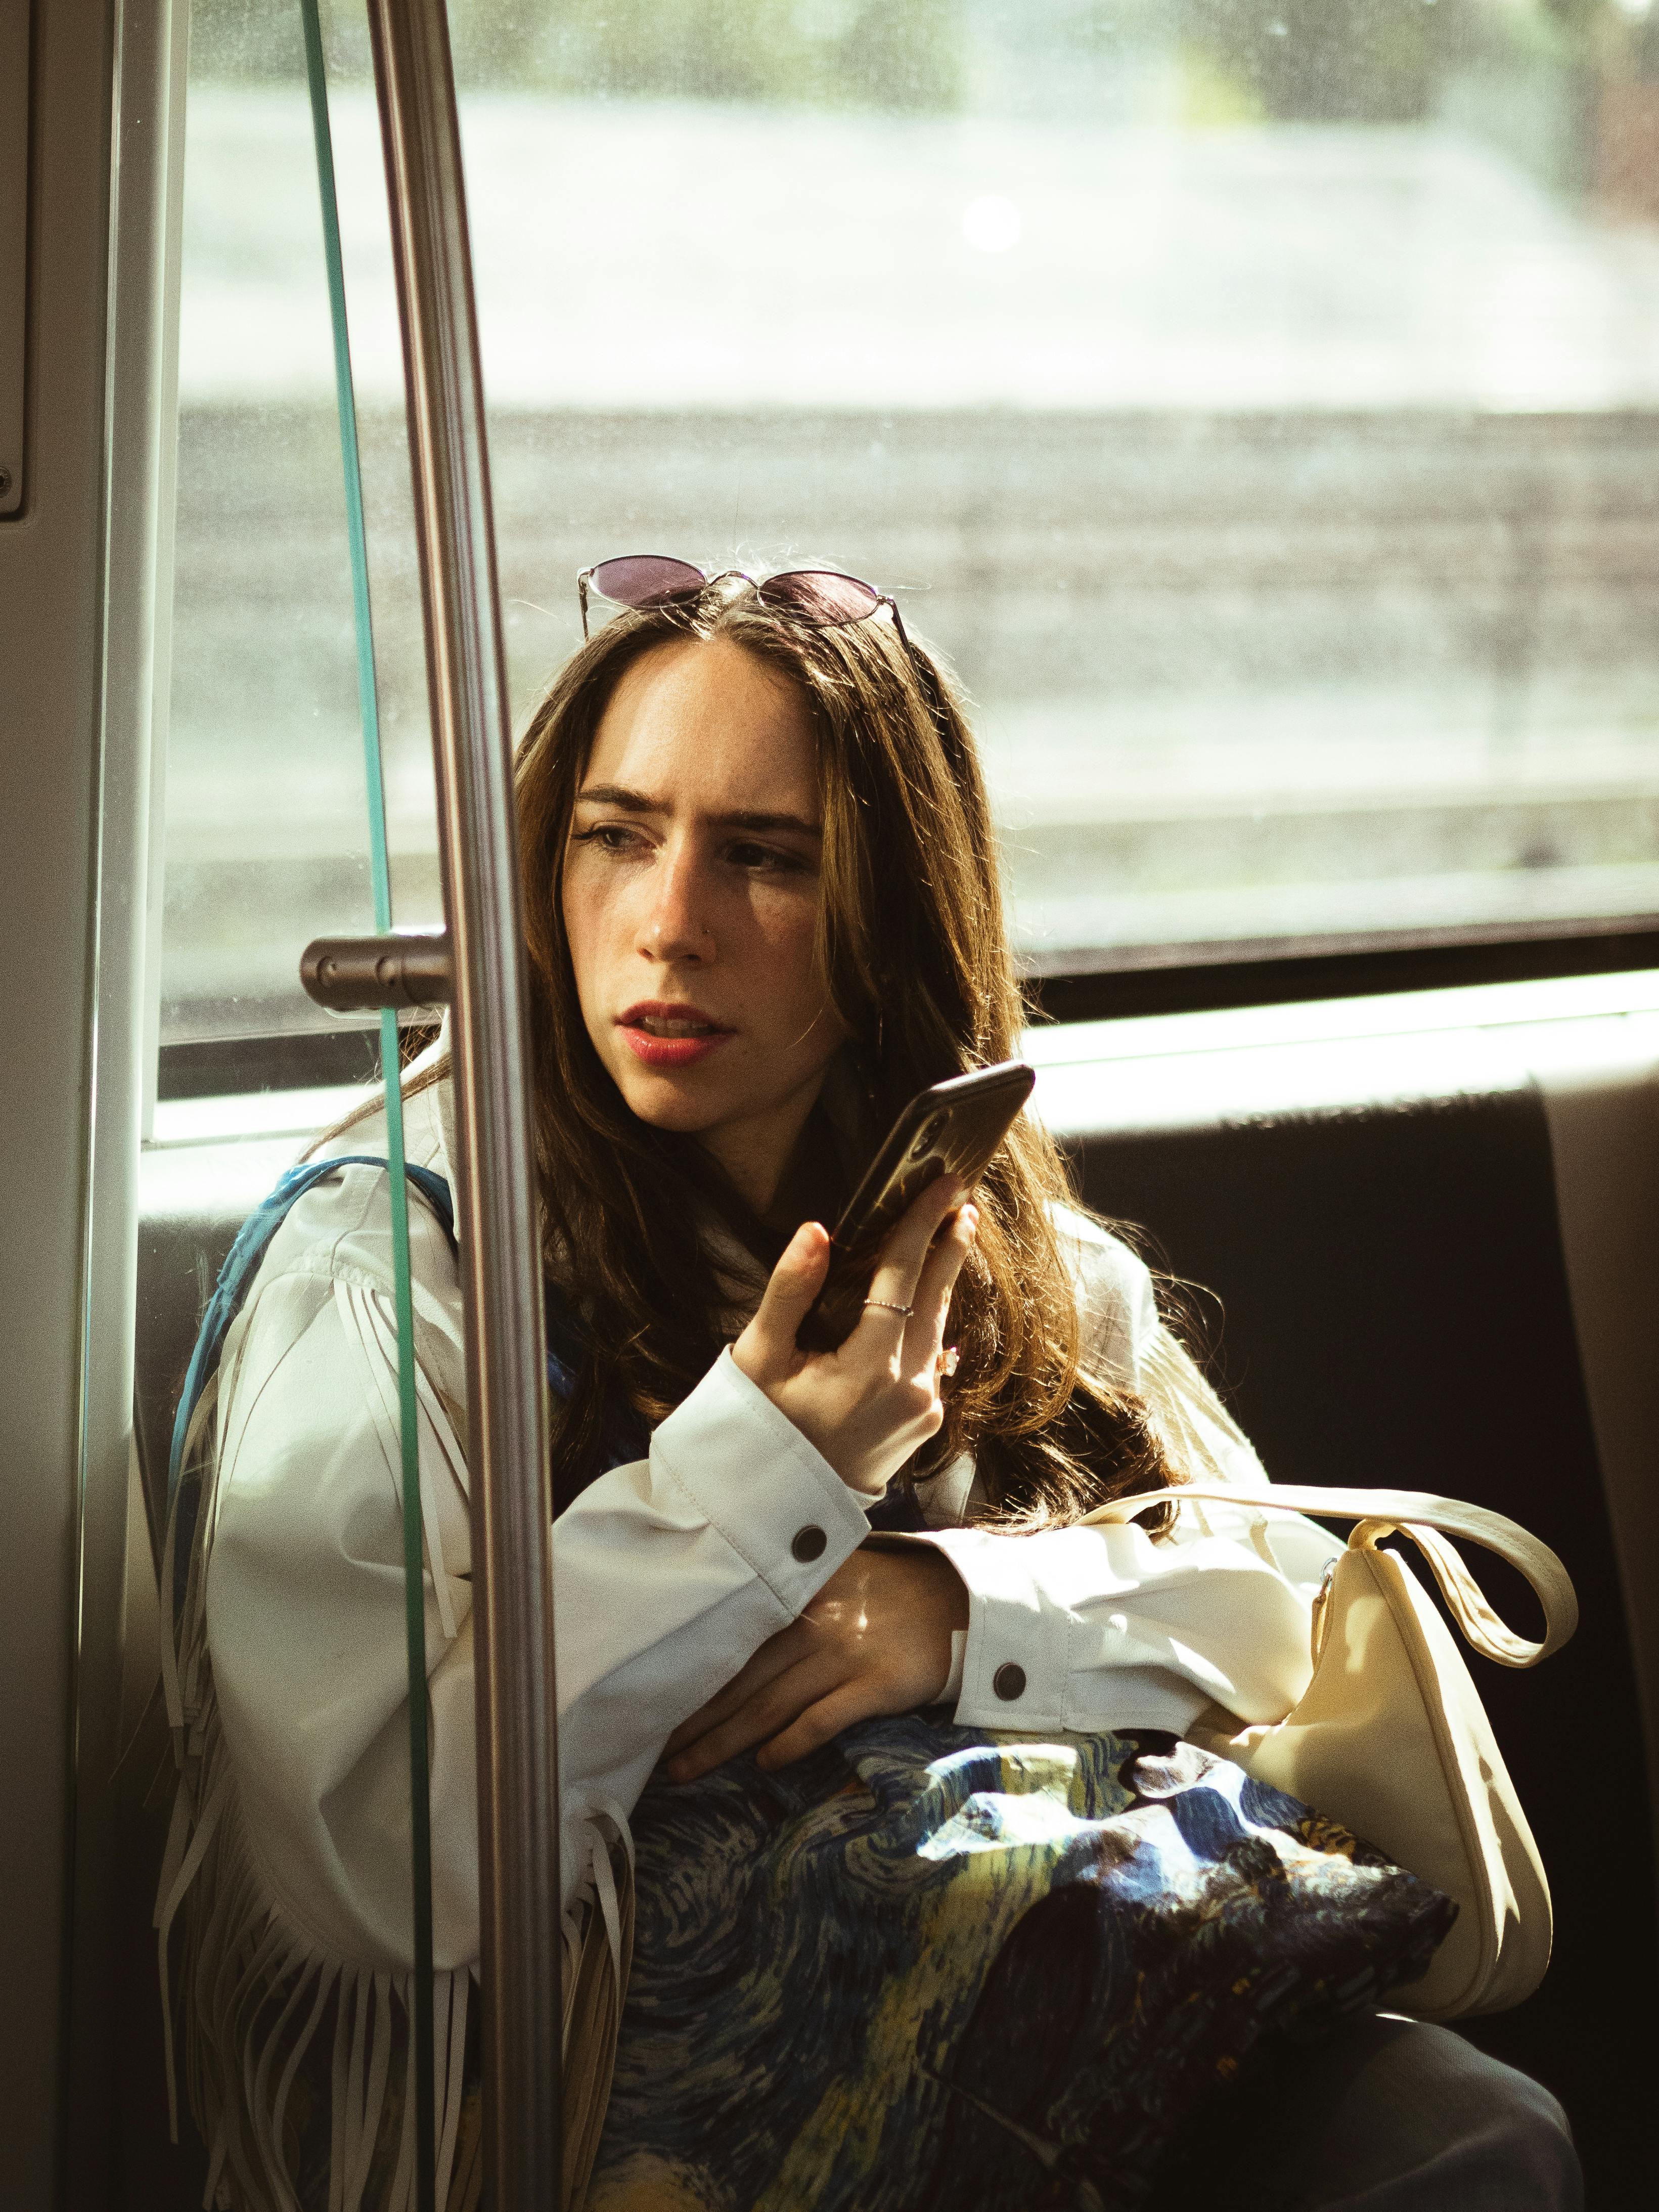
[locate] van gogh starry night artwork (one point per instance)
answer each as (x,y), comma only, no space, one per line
(923,1970)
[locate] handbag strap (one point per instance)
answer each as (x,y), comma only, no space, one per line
(1428,1521)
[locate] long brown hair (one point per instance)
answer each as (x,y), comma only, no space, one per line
(915,960)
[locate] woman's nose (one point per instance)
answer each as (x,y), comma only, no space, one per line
(675,924)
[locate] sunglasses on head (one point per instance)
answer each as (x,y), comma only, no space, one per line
(823,598)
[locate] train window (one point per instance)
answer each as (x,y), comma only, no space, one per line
(1253,398)
(266,833)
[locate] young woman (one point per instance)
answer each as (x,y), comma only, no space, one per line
(762,912)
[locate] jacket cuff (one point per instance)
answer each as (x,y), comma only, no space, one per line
(1014,1668)
(752,1474)
(1020,1668)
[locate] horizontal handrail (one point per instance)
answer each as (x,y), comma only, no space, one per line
(355,974)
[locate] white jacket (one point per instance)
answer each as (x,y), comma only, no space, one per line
(668,1574)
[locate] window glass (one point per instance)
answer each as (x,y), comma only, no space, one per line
(1253,399)
(267,840)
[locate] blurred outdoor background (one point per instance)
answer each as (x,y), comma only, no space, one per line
(1256,400)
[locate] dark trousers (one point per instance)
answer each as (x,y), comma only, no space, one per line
(1386,2115)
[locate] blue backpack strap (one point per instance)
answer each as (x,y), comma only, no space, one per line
(242,1264)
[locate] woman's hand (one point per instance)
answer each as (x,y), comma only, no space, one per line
(875,1639)
(869,1404)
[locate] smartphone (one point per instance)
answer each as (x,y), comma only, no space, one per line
(954,1129)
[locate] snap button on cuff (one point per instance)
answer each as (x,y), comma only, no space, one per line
(810,1544)
(1009,1682)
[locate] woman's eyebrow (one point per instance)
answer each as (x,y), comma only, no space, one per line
(642,802)
(763,822)
(620,795)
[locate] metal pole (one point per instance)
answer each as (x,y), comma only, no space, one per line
(501,1258)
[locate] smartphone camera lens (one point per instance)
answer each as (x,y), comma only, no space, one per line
(927,1134)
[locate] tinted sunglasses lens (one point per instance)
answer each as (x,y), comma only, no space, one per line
(646,580)
(820,596)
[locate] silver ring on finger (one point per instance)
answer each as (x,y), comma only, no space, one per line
(886,1305)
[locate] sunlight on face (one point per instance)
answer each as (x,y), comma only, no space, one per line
(691,897)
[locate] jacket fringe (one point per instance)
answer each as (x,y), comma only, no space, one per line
(298,2065)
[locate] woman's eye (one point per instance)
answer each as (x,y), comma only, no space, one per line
(608,836)
(767,860)
(622,840)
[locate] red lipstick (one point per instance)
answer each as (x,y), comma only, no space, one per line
(670,1034)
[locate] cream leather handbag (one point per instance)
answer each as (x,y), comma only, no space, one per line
(1391,1738)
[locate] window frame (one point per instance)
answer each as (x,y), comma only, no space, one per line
(1123,984)
(1189,978)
